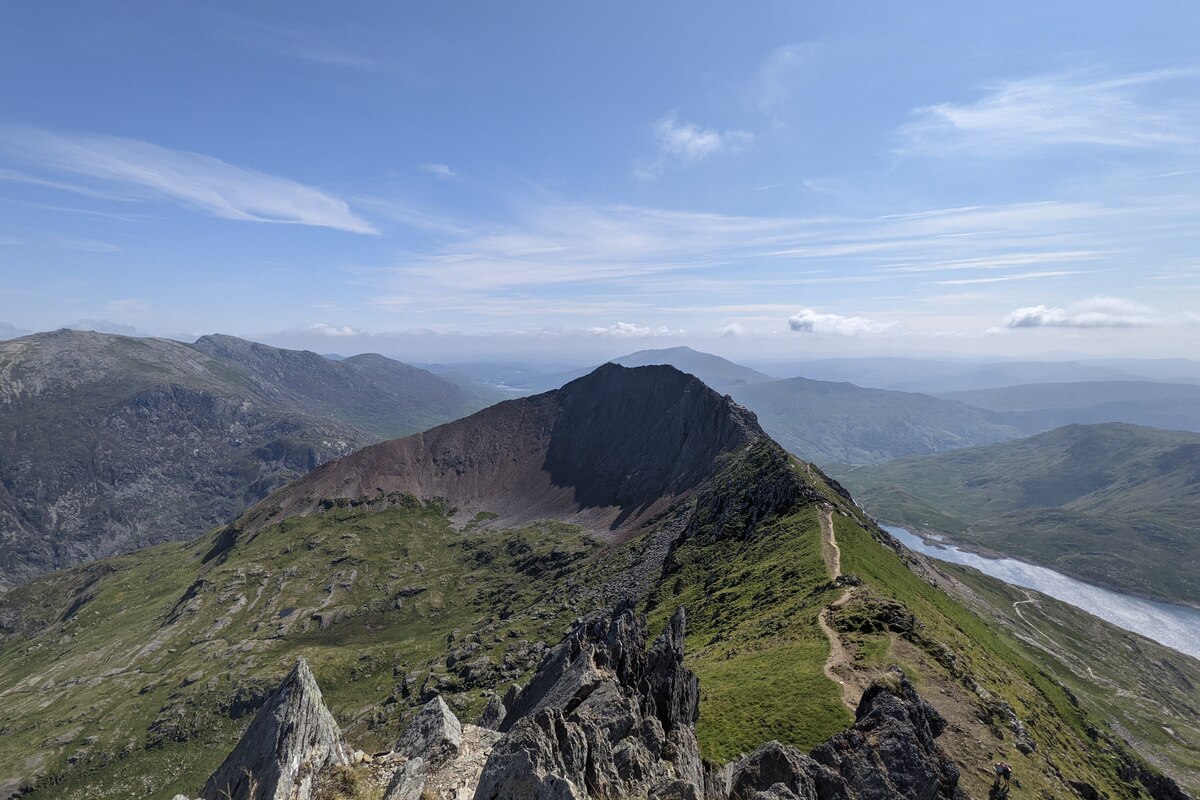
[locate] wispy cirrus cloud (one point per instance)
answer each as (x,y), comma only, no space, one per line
(442,171)
(293,43)
(1012,276)
(1064,109)
(685,143)
(190,179)
(782,71)
(558,262)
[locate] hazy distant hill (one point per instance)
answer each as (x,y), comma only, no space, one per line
(114,442)
(719,373)
(842,423)
(1113,504)
(821,421)
(938,377)
(1042,406)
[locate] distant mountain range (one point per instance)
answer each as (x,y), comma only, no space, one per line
(1039,407)
(114,442)
(832,423)
(933,376)
(1113,504)
(719,373)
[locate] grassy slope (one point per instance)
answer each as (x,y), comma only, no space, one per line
(977,652)
(160,713)
(1112,504)
(753,638)
(1148,691)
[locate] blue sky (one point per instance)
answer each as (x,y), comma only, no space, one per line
(454,180)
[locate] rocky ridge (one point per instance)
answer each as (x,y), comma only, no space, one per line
(603,717)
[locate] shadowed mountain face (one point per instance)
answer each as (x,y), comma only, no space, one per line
(113,442)
(605,451)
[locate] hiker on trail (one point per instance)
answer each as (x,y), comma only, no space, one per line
(1003,771)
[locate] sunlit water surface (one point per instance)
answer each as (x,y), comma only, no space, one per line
(1177,627)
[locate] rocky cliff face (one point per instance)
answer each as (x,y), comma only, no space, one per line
(109,443)
(603,717)
(607,451)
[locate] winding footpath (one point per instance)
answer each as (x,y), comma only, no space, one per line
(840,658)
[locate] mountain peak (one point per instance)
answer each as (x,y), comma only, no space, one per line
(606,451)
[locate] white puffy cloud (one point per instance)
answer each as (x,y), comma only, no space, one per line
(732,329)
(1098,312)
(325,329)
(627,330)
(809,321)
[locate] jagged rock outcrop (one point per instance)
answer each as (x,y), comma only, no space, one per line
(891,751)
(889,754)
(291,740)
(774,772)
(602,718)
(442,758)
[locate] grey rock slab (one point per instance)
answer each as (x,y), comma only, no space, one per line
(290,741)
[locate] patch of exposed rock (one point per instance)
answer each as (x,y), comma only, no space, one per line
(441,757)
(291,740)
(601,718)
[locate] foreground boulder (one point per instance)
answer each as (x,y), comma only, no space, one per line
(442,759)
(291,740)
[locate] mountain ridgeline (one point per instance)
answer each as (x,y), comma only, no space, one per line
(114,442)
(444,566)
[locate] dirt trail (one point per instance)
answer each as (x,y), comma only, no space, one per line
(839,667)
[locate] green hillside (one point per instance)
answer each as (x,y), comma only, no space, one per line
(1112,504)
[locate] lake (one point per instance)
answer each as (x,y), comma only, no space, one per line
(1177,627)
